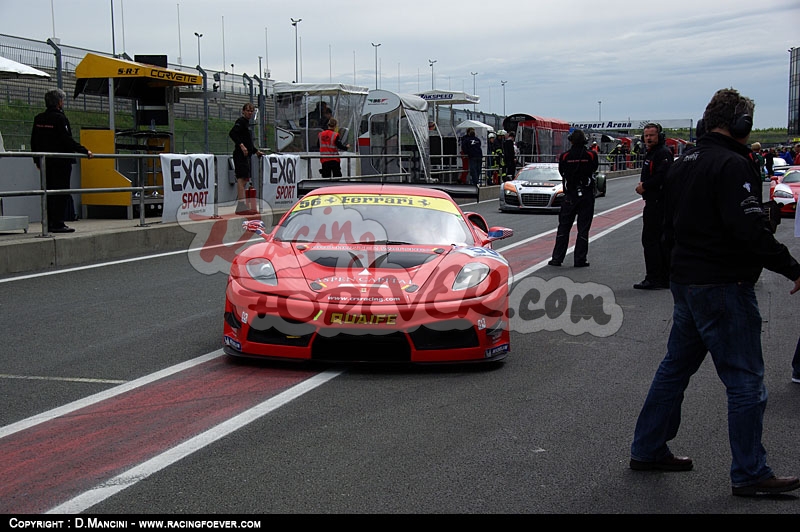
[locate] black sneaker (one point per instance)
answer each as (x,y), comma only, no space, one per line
(647,284)
(554,263)
(62,229)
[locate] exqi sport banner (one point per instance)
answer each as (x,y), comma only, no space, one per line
(188,186)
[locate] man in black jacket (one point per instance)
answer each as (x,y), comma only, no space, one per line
(654,169)
(577,167)
(243,149)
(721,243)
(52,133)
(510,156)
(471,147)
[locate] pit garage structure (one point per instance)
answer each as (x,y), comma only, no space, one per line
(443,125)
(154,90)
(299,119)
(394,132)
(539,139)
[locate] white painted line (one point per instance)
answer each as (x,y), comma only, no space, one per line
(102,396)
(540,265)
(64,379)
(540,235)
(142,471)
(123,261)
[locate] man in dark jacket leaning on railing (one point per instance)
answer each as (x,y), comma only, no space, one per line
(52,133)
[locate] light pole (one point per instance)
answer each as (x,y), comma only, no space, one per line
(503,83)
(198,35)
(599,111)
(180,52)
(431,62)
(113,39)
(474,89)
(296,64)
(376,64)
(233,80)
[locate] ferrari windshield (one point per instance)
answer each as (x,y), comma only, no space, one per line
(540,174)
(375,218)
(792,177)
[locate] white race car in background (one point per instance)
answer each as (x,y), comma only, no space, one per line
(538,187)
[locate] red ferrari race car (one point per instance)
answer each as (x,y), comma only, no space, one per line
(785,190)
(370,272)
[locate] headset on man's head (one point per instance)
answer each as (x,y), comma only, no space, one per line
(740,127)
(662,138)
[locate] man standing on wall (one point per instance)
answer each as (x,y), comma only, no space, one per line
(654,170)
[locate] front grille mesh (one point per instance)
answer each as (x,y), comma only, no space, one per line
(536,200)
(345,346)
(447,335)
(276,331)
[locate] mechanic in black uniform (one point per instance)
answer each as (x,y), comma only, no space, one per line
(52,133)
(510,156)
(651,187)
(577,167)
(721,244)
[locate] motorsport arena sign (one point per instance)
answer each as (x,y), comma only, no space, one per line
(631,124)
(188,186)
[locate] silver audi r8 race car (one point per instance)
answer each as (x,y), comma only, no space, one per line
(538,187)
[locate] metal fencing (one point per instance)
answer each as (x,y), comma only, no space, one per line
(142,190)
(22,99)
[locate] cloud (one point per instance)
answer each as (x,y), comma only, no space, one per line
(559,59)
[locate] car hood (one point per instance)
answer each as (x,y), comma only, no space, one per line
(554,185)
(381,273)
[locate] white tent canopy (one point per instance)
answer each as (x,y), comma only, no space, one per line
(406,115)
(442,97)
(12,69)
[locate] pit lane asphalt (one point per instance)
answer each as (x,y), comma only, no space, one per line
(547,432)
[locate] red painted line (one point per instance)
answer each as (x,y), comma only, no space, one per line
(52,462)
(522,257)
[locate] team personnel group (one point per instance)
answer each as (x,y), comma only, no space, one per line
(705,237)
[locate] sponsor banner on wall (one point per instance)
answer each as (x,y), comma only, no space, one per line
(188,186)
(279,188)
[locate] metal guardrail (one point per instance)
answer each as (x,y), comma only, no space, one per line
(44,192)
(451,174)
(140,191)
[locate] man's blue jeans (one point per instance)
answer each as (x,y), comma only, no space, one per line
(724,320)
(475,170)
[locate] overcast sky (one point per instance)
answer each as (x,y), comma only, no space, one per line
(656,60)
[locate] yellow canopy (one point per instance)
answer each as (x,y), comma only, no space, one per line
(94,71)
(98,66)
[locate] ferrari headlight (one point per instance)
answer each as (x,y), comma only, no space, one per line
(262,271)
(470,275)
(782,194)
